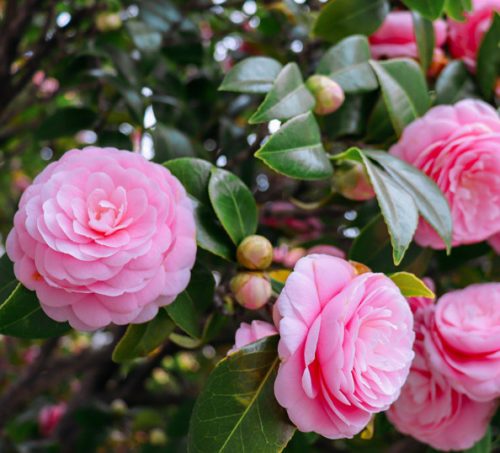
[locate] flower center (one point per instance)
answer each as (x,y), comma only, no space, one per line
(106,211)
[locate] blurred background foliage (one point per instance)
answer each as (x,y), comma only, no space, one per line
(144,76)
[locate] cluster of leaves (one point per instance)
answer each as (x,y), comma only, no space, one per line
(149,77)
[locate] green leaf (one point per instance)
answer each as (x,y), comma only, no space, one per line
(426,194)
(252,75)
(430,9)
(456,8)
(484,445)
(288,97)
(454,84)
(141,339)
(404,90)
(341,18)
(66,121)
(209,235)
(397,206)
(347,64)
(379,128)
(233,203)
(144,37)
(277,286)
(170,143)
(411,286)
(424,35)
(22,316)
(295,150)
(488,59)
(187,309)
(194,175)
(373,247)
(237,410)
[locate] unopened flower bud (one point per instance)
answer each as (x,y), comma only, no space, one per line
(157,437)
(255,253)
(108,21)
(328,94)
(251,290)
(353,183)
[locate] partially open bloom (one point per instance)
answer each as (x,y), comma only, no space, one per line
(463,340)
(430,409)
(459,148)
(396,36)
(103,236)
(465,37)
(249,333)
(345,345)
(49,418)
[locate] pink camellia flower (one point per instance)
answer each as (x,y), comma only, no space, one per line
(103,236)
(459,148)
(249,333)
(396,36)
(345,345)
(416,303)
(430,410)
(49,418)
(463,340)
(465,37)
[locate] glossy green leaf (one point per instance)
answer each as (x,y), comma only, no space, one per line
(347,64)
(427,196)
(66,121)
(488,59)
(454,84)
(373,247)
(295,150)
(277,286)
(237,410)
(288,97)
(424,35)
(145,38)
(233,203)
(430,9)
(411,286)
(397,206)
(22,316)
(456,8)
(252,75)
(187,309)
(379,128)
(341,18)
(404,90)
(484,445)
(194,175)
(209,235)
(141,339)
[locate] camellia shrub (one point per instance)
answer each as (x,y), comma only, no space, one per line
(241,226)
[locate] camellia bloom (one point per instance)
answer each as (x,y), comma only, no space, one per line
(463,340)
(495,243)
(49,417)
(459,148)
(430,410)
(345,345)
(465,37)
(396,37)
(249,333)
(103,236)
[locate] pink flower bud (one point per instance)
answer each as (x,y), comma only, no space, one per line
(49,417)
(328,94)
(353,183)
(251,290)
(255,253)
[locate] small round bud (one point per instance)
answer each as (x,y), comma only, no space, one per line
(255,253)
(353,183)
(119,407)
(328,94)
(157,437)
(108,21)
(251,290)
